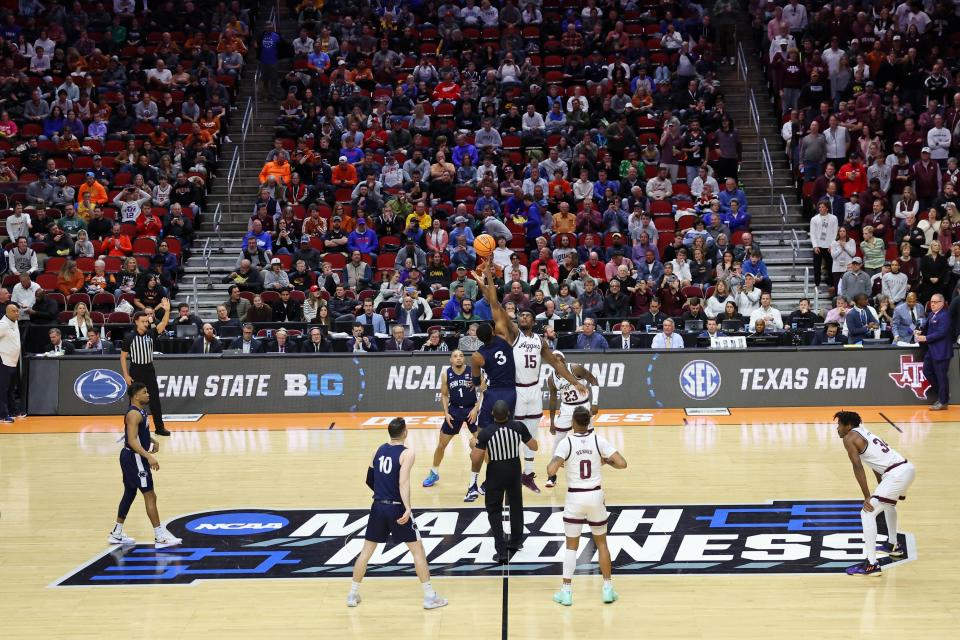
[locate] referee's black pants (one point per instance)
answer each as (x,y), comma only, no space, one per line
(146,374)
(503,481)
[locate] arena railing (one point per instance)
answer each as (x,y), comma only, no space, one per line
(795,250)
(244,130)
(768,169)
(784,210)
(196,296)
(205,258)
(232,175)
(755,121)
(742,69)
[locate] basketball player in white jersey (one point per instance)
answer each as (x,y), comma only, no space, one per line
(582,453)
(570,398)
(529,353)
(894,473)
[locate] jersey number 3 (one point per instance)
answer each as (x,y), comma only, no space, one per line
(386,464)
(500,358)
(883,445)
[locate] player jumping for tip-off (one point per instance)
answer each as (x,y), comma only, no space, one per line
(894,473)
(530,351)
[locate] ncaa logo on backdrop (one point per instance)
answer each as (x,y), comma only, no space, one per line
(237,524)
(700,380)
(100,386)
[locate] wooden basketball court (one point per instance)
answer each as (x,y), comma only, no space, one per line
(60,484)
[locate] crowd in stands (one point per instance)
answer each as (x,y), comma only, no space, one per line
(590,139)
(111,116)
(870,100)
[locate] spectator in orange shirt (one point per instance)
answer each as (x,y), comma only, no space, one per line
(853,175)
(70,279)
(198,136)
(278,168)
(344,175)
(117,244)
(564,221)
(98,193)
(561,182)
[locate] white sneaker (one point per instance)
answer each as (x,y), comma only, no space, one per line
(121,539)
(165,540)
(435,602)
(227,140)
(353,599)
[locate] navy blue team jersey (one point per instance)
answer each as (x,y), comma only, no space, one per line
(136,471)
(386,472)
(498,364)
(387,507)
(460,388)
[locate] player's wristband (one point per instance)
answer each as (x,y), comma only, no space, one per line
(595,390)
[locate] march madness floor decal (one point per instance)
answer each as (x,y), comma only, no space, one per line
(781,537)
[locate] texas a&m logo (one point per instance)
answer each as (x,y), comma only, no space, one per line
(911,377)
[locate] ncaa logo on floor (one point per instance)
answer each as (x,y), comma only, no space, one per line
(100,386)
(700,380)
(237,524)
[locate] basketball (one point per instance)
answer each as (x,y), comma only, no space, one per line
(484,245)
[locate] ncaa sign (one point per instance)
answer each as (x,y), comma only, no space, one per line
(237,524)
(700,380)
(100,386)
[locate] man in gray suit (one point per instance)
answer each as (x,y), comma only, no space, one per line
(907,317)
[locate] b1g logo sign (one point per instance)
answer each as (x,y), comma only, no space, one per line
(782,537)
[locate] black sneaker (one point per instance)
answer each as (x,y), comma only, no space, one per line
(161,431)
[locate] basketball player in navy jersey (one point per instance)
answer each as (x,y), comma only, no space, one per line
(495,361)
(138,463)
(459,399)
(530,352)
(390,515)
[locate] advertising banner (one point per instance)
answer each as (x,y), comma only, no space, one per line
(411,382)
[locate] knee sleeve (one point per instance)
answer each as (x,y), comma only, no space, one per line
(129,494)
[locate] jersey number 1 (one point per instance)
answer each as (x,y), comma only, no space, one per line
(386,464)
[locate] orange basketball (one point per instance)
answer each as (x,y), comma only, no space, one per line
(484,245)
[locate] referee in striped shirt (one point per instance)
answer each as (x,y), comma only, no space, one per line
(136,359)
(501,442)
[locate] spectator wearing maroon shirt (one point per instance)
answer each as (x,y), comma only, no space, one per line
(927,179)
(912,139)
(791,79)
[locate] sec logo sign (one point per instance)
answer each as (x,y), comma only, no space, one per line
(700,380)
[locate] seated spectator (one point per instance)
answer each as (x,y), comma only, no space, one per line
(626,340)
(830,334)
(770,315)
(398,341)
(281,343)
(802,312)
(589,339)
(369,317)
(861,320)
(358,342)
(246,343)
(245,277)
(317,341)
(434,342)
(95,344)
(70,279)
(57,345)
(668,338)
(275,278)
(207,341)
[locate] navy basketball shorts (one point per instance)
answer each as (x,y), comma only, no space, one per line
(382,524)
(490,398)
(459,415)
(136,471)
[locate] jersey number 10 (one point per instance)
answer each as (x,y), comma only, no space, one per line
(386,464)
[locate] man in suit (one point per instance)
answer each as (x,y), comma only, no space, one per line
(829,335)
(937,335)
(654,317)
(409,315)
(360,342)
(578,315)
(58,345)
(246,342)
(207,341)
(368,316)
(626,340)
(907,318)
(861,320)
(281,343)
(589,339)
(668,339)
(710,331)
(96,345)
(316,342)
(398,342)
